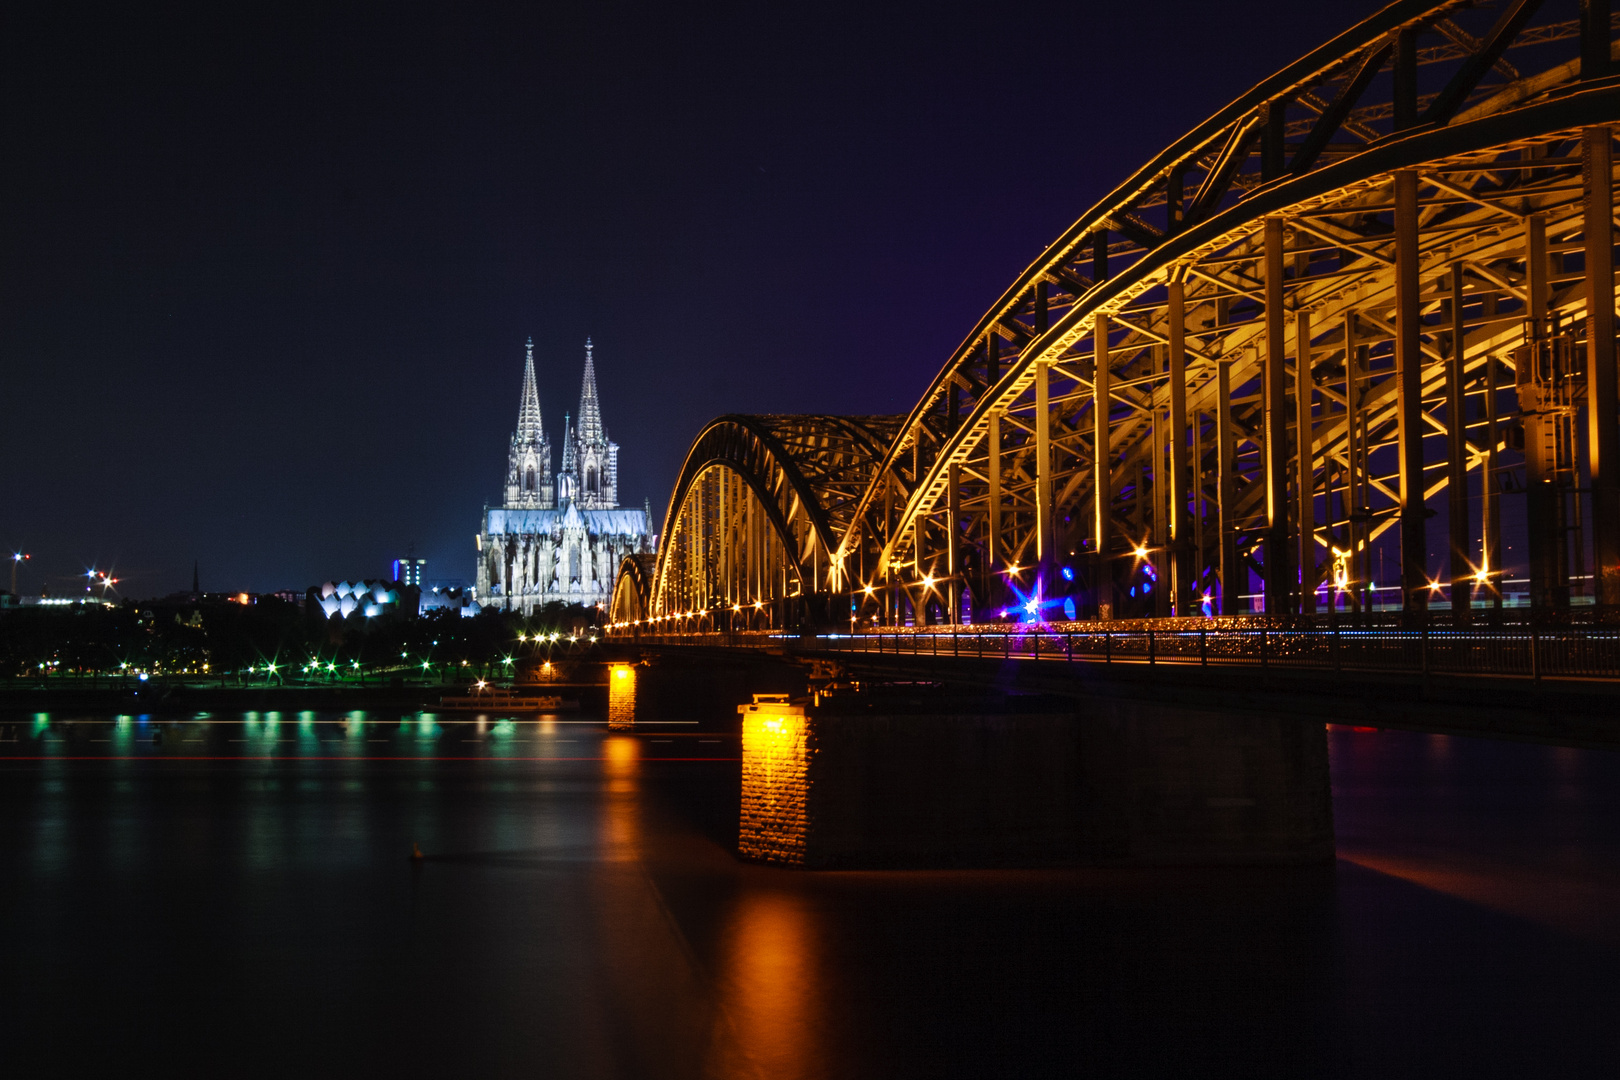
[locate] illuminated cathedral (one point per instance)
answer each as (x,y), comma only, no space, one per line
(559,537)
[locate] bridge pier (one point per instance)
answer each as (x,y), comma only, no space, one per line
(927,779)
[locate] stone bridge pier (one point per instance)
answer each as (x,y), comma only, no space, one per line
(922,777)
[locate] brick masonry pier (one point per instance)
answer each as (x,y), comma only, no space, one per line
(929,778)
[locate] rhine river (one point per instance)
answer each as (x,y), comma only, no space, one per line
(232,894)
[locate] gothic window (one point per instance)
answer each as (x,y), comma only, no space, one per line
(590,479)
(528,483)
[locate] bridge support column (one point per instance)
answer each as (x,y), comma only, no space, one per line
(868,781)
(953,546)
(1544,511)
(1183,556)
(1274,392)
(1603,423)
(1409,399)
(1305,465)
(1456,456)
(992,546)
(1044,544)
(1101,465)
(1233,576)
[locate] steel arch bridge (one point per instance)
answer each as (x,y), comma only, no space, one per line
(1352,301)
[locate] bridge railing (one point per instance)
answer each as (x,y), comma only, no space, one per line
(1520,651)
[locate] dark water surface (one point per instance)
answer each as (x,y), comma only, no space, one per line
(237,900)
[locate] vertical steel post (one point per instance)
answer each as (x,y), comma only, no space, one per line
(1542,504)
(1274,392)
(1409,397)
(1603,423)
(992,549)
(1181,555)
(1226,489)
(1043,475)
(1160,560)
(1457,455)
(1305,467)
(953,508)
(1101,463)
(1490,496)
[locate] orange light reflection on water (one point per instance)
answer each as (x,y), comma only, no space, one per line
(770,988)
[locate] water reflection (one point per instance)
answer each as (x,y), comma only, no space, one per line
(771,990)
(621,765)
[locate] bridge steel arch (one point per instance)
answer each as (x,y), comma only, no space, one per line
(1353,300)
(760,504)
(1419,208)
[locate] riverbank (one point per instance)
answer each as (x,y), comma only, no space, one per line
(182,697)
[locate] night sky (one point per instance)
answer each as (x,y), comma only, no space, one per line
(267,277)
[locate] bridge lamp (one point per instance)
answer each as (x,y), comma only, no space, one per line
(758,604)
(736,607)
(1141,551)
(928,581)
(869,591)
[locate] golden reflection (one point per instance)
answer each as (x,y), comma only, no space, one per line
(621,697)
(621,764)
(770,990)
(775,781)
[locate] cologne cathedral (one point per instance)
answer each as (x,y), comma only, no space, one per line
(562,537)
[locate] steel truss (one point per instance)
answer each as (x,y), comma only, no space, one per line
(1359,290)
(760,504)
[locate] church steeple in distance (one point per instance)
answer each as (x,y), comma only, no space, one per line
(528,465)
(529,425)
(590,409)
(595,458)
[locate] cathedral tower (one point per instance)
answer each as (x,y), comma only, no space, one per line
(528,465)
(596,457)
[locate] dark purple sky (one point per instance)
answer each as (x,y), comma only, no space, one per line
(266,279)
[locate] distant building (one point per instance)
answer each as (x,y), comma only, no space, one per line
(368,599)
(443,599)
(558,538)
(409,571)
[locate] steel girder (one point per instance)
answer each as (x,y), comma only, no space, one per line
(1277,214)
(1346,293)
(760,503)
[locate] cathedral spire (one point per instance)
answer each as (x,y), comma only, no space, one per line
(568,447)
(529,427)
(590,410)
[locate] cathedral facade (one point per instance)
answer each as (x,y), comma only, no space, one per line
(559,537)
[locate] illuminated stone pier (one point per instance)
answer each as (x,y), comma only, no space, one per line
(938,780)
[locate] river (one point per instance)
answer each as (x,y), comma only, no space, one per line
(234,894)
